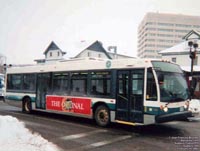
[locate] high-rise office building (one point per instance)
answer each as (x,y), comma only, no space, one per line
(158,31)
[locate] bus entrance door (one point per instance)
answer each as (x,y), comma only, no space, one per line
(129,102)
(43,85)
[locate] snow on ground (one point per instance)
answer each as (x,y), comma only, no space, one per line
(14,136)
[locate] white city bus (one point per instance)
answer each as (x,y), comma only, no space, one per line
(127,91)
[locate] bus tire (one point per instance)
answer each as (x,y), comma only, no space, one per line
(102,116)
(26,105)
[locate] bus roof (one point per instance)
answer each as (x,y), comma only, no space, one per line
(83,64)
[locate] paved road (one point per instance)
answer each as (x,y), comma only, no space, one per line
(76,134)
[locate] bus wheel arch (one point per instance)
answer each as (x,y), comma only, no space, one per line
(101,114)
(26,104)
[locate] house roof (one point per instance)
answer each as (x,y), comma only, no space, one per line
(95,46)
(53,46)
(193,34)
(181,48)
(74,48)
(188,68)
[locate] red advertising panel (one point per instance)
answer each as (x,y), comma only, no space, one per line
(69,104)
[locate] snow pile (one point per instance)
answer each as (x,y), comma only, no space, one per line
(15,137)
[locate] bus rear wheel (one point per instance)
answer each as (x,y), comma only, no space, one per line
(26,105)
(102,116)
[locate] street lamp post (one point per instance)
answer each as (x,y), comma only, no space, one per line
(193,50)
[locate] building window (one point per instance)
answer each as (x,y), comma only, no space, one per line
(89,54)
(50,54)
(58,54)
(174,60)
(99,55)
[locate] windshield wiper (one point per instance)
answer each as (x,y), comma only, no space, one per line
(174,97)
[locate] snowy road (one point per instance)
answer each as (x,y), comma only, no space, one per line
(70,133)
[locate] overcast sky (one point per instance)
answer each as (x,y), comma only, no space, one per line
(28,26)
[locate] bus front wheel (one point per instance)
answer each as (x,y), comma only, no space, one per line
(102,116)
(26,105)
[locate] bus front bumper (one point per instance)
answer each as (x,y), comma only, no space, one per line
(173,116)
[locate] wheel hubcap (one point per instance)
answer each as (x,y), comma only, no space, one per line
(103,116)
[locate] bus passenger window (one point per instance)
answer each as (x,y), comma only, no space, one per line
(79,83)
(151,87)
(29,82)
(94,90)
(60,83)
(100,83)
(14,82)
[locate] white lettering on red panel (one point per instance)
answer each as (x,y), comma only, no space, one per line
(69,104)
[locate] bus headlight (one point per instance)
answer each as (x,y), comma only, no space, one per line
(165,109)
(186,106)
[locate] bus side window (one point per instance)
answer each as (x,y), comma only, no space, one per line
(29,82)
(79,83)
(100,83)
(151,93)
(14,82)
(60,83)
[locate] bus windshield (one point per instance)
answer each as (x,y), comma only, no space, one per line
(172,84)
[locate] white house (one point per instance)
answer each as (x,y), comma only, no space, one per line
(180,54)
(52,53)
(95,49)
(81,49)
(91,49)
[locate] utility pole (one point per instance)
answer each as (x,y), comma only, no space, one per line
(193,50)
